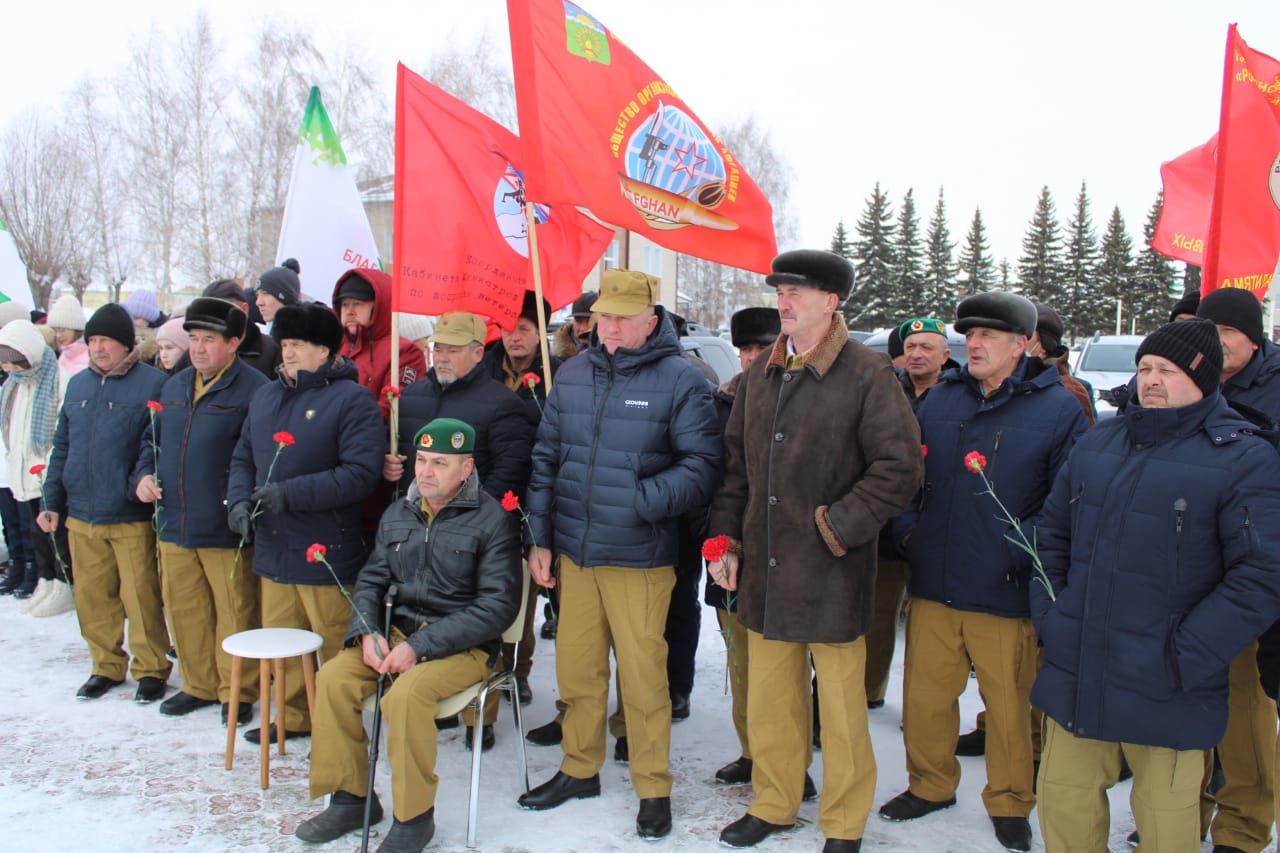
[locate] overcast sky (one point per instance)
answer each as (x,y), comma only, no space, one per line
(990,100)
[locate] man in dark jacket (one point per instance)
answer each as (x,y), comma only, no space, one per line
(259,351)
(1246,802)
(518,355)
(453,555)
(209,594)
(90,480)
(574,336)
(362,301)
(807,533)
(309,452)
(1152,542)
(629,442)
(969,581)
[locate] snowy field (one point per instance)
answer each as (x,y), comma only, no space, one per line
(110,775)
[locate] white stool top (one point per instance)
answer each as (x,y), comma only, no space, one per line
(272,643)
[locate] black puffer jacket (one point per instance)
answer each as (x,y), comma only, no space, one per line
(457,582)
(259,351)
(628,444)
(532,399)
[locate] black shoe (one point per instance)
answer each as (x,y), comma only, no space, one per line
(23,592)
(13,579)
(620,752)
(653,821)
(872,704)
(180,704)
(736,772)
(559,789)
(842,845)
(972,743)
(255,735)
(96,686)
(810,789)
(548,735)
(749,830)
(409,837)
(679,706)
(1224,848)
(149,690)
(443,723)
(907,806)
(244,713)
(1133,839)
(1013,833)
(524,693)
(486,738)
(550,623)
(344,814)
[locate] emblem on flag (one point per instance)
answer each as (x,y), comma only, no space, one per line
(509,211)
(585,36)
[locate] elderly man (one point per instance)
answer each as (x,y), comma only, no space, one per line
(259,351)
(454,601)
(807,544)
(208,593)
(629,443)
(518,354)
(90,480)
(969,605)
(286,494)
(1158,574)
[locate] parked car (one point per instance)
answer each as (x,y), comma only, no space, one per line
(880,343)
(716,352)
(1105,362)
(859,336)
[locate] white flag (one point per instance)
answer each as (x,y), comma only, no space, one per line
(324,227)
(13,272)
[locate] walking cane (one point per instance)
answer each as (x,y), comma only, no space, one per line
(376,734)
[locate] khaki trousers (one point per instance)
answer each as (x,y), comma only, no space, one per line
(117,584)
(736,643)
(629,606)
(1075,774)
(340,746)
(206,605)
(942,644)
(1037,717)
(891,591)
(322,609)
(1246,803)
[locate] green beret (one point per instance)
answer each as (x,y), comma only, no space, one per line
(921,324)
(446,435)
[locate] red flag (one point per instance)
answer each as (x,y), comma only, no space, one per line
(1244,228)
(601,130)
(1188,196)
(461,241)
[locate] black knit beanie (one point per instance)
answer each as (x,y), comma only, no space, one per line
(896,349)
(1239,309)
(283,283)
(1193,345)
(111,321)
(1186,305)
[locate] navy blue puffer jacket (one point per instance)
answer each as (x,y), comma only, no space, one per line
(628,443)
(1160,536)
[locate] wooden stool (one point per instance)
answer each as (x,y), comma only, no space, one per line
(275,645)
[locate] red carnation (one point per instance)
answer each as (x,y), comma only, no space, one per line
(975,462)
(283,437)
(510,502)
(315,554)
(37,470)
(924,451)
(154,406)
(715,548)
(531,379)
(390,392)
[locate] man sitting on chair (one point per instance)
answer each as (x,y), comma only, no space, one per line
(454,556)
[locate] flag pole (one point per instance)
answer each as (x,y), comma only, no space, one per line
(394,379)
(531,218)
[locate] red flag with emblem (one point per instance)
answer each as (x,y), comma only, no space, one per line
(461,241)
(1188,196)
(600,129)
(1243,249)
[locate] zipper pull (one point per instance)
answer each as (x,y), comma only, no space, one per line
(1179,507)
(996,449)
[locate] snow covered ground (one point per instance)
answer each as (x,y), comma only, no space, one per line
(110,775)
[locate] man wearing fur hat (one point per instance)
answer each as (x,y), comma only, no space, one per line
(805,537)
(208,593)
(257,350)
(968,581)
(362,301)
(90,481)
(315,490)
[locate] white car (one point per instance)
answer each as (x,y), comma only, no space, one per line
(1106,362)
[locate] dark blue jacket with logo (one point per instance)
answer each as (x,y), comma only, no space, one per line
(957,551)
(628,444)
(195,443)
(90,475)
(1161,539)
(331,468)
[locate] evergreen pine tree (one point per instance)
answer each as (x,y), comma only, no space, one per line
(1116,272)
(907,299)
(1003,274)
(1190,278)
(1040,269)
(940,267)
(977,271)
(875,271)
(1079,306)
(840,244)
(1155,277)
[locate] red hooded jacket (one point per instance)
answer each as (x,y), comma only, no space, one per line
(370,351)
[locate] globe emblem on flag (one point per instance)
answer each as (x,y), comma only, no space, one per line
(509,212)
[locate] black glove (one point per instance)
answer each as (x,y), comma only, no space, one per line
(240,520)
(272,496)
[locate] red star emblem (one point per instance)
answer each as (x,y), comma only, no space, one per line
(688,160)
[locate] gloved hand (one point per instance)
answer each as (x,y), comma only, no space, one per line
(239,519)
(272,496)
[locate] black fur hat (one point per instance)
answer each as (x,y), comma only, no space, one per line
(813,268)
(758,326)
(217,315)
(997,309)
(313,323)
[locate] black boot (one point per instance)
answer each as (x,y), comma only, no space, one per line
(736,772)
(972,743)
(749,830)
(548,735)
(842,845)
(907,806)
(411,836)
(14,578)
(486,738)
(1013,833)
(344,814)
(559,789)
(654,818)
(31,577)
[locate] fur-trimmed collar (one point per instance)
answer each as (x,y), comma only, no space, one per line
(125,365)
(820,357)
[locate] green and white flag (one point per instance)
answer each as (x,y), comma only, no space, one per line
(13,272)
(324,227)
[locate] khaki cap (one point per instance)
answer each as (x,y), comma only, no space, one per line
(625,293)
(458,327)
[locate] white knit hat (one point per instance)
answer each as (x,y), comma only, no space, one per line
(414,327)
(23,336)
(10,311)
(66,313)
